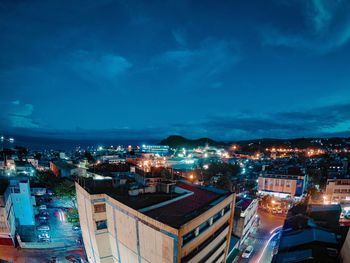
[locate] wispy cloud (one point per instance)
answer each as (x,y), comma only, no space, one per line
(16,115)
(191,68)
(97,65)
(327,28)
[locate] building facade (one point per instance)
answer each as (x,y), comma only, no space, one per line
(7,218)
(338,191)
(192,226)
(282,185)
(245,217)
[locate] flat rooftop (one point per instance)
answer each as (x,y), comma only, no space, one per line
(178,213)
(244,203)
(121,194)
(175,213)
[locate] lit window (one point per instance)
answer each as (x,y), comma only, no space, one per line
(100,208)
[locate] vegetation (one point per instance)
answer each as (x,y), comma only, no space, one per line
(176,141)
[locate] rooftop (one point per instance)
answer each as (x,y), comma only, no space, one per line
(174,214)
(244,203)
(178,213)
(64,165)
(307,236)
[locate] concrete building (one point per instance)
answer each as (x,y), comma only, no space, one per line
(63,169)
(155,149)
(245,217)
(7,218)
(338,191)
(18,192)
(282,185)
(345,250)
(162,223)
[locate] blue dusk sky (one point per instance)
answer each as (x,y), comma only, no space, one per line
(227,70)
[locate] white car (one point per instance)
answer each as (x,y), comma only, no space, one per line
(247,252)
(43,228)
(42,207)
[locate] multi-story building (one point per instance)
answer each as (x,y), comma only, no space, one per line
(155,149)
(7,218)
(166,222)
(63,169)
(16,208)
(18,192)
(338,191)
(282,185)
(244,217)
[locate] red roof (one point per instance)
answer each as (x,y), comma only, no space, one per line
(179,212)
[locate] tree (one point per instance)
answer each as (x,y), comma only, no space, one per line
(66,189)
(224,182)
(37,156)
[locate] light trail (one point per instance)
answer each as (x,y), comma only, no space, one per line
(274,232)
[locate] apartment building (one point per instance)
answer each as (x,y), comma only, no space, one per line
(338,191)
(245,217)
(166,222)
(7,219)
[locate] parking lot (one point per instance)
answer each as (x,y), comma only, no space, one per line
(52,223)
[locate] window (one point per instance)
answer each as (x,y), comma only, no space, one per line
(101,224)
(100,208)
(277,182)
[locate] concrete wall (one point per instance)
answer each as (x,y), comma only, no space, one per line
(130,235)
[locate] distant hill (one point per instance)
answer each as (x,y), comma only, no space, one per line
(176,141)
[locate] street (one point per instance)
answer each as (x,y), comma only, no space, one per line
(38,255)
(263,239)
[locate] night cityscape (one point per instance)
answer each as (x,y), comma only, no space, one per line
(174,131)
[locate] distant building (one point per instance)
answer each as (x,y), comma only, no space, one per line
(63,169)
(282,185)
(244,218)
(155,149)
(160,223)
(337,168)
(24,168)
(338,191)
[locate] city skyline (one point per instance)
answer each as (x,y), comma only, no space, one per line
(227,71)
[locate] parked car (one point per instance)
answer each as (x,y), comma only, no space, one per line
(247,252)
(274,210)
(44,213)
(76,227)
(42,207)
(279,211)
(43,228)
(44,237)
(42,217)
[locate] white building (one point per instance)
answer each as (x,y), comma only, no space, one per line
(245,217)
(338,191)
(282,185)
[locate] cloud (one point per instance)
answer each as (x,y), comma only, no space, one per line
(198,67)
(17,115)
(97,65)
(180,37)
(321,121)
(326,28)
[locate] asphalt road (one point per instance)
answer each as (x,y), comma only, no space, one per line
(38,255)
(264,238)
